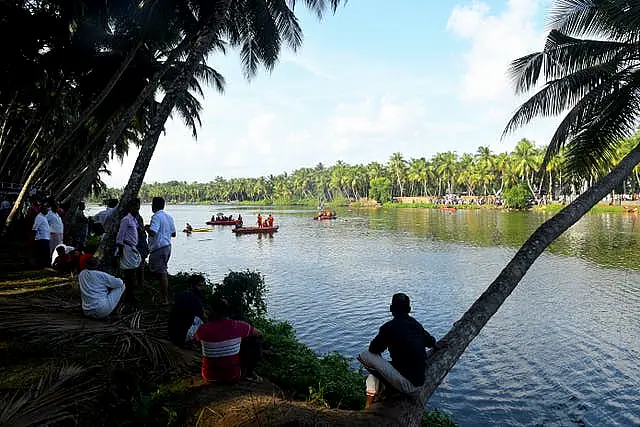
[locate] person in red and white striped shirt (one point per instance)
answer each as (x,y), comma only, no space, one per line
(230,350)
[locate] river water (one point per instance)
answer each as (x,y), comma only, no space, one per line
(564,349)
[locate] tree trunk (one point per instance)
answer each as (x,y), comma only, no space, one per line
(18,202)
(471,323)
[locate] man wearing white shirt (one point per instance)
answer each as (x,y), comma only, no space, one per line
(100,292)
(41,236)
(161,230)
(56,228)
(103,216)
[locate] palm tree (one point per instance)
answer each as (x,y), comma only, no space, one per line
(448,167)
(598,81)
(398,168)
(525,161)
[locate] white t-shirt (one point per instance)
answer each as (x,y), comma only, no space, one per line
(41,227)
(94,288)
(162,224)
(55,222)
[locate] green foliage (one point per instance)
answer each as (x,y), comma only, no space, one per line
(517,197)
(154,409)
(295,367)
(436,418)
(380,189)
(245,292)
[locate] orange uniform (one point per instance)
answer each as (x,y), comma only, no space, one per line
(259,220)
(270,220)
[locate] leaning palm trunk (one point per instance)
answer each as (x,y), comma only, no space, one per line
(409,413)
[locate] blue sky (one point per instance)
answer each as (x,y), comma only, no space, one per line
(420,77)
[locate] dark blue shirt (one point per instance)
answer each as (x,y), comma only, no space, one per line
(406,340)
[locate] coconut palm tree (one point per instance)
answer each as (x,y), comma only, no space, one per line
(598,81)
(398,168)
(526,162)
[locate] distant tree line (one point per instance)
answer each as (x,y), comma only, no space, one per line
(483,173)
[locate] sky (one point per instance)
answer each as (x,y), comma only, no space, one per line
(421,77)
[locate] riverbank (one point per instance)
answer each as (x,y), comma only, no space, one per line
(126,373)
(549,207)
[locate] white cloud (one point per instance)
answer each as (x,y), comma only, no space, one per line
(495,40)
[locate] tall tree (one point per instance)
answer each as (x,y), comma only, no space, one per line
(598,81)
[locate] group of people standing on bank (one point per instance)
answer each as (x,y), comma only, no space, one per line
(54,227)
(133,247)
(100,291)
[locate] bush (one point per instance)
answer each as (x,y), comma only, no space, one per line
(328,380)
(517,197)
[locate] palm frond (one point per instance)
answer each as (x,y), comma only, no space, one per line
(563,56)
(319,7)
(614,19)
(287,23)
(138,336)
(595,146)
(54,398)
(561,94)
(210,77)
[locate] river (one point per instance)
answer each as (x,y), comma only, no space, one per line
(564,349)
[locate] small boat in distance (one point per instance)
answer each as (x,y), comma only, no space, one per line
(448,208)
(224,222)
(255,230)
(324,217)
(197,230)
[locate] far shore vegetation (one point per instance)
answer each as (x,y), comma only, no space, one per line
(513,180)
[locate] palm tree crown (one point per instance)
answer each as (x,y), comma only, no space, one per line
(590,67)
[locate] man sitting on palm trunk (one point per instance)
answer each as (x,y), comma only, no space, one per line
(406,340)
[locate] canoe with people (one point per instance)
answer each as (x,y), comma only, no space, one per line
(325,214)
(221,219)
(264,225)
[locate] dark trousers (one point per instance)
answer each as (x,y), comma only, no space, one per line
(41,253)
(250,354)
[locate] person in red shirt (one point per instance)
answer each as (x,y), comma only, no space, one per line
(230,350)
(82,260)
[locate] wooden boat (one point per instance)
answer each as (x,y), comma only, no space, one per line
(448,208)
(255,230)
(224,222)
(324,217)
